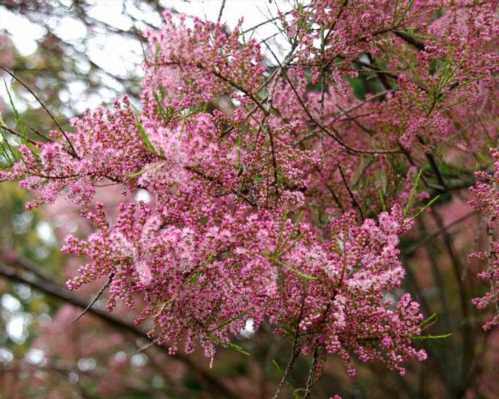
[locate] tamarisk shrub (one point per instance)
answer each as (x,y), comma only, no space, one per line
(278,193)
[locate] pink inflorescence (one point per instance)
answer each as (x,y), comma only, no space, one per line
(486,199)
(250,214)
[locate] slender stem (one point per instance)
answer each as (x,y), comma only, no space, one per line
(220,13)
(291,361)
(350,193)
(333,133)
(295,351)
(21,82)
(467,331)
(96,298)
(311,375)
(215,180)
(412,249)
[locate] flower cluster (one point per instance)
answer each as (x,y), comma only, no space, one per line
(486,200)
(269,185)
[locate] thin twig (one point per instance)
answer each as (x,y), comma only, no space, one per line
(270,20)
(222,6)
(17,134)
(311,375)
(215,180)
(350,193)
(295,351)
(22,83)
(95,298)
(430,237)
(334,134)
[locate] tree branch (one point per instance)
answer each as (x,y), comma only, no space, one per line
(64,295)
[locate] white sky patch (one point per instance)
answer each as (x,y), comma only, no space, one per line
(87,364)
(23,291)
(10,303)
(17,327)
(138,360)
(77,88)
(122,56)
(6,356)
(70,29)
(22,222)
(73,377)
(104,9)
(46,233)
(115,53)
(66,3)
(249,328)
(24,33)
(143,195)
(35,356)
(253,12)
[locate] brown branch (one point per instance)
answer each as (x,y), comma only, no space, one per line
(56,291)
(411,250)
(295,352)
(20,135)
(350,193)
(311,375)
(274,162)
(334,133)
(458,268)
(220,13)
(420,46)
(96,298)
(218,182)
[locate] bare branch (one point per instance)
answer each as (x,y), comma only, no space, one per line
(95,298)
(222,6)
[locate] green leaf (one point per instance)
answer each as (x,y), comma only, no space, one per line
(145,138)
(166,113)
(429,204)
(228,321)
(7,152)
(429,321)
(11,101)
(230,345)
(306,276)
(276,365)
(412,194)
(238,348)
(382,200)
(358,87)
(430,337)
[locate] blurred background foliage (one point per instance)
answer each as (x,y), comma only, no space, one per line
(44,353)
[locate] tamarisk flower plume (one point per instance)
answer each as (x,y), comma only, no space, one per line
(486,199)
(258,209)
